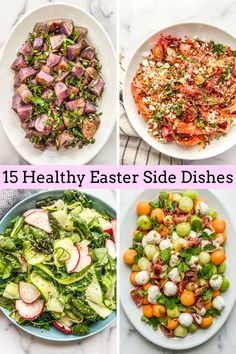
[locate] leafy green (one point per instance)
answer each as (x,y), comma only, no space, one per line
(158,116)
(169,302)
(212,312)
(182,267)
(165,255)
(153,322)
(80,329)
(207,236)
(206,294)
(207,271)
(169,90)
(209,248)
(187,254)
(140,252)
(219,48)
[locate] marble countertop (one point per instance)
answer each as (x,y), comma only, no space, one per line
(15,341)
(140,18)
(10,12)
(132,341)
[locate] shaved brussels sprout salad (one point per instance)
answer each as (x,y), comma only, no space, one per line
(58,265)
(177,261)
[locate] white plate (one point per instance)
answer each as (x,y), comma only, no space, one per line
(205,32)
(128,225)
(100,40)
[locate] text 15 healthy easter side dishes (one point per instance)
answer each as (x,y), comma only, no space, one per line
(58,265)
(177,258)
(57,83)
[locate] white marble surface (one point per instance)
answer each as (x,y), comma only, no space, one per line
(139,18)
(133,342)
(10,12)
(15,341)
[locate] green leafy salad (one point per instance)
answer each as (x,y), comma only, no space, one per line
(58,265)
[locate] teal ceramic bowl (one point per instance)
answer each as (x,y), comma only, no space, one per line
(53,334)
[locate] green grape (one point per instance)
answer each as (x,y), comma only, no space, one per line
(149,251)
(191,194)
(186,204)
(144,223)
(177,197)
(135,268)
(225,284)
(183,229)
(221,268)
(144,263)
(212,213)
(180,331)
(174,313)
(193,328)
(204,257)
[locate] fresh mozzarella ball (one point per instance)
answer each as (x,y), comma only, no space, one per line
(216,281)
(202,208)
(153,294)
(185,319)
(192,262)
(201,311)
(218,303)
(165,244)
(193,234)
(170,288)
(174,275)
(174,260)
(153,237)
(142,277)
(174,236)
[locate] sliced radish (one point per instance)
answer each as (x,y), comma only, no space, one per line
(73,261)
(62,327)
(39,218)
(85,259)
(105,225)
(29,311)
(111,248)
(28,292)
(30,211)
(114,228)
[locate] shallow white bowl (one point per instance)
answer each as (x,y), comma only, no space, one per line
(106,54)
(205,32)
(128,225)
